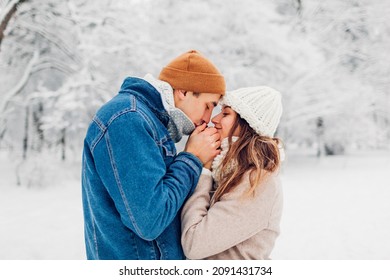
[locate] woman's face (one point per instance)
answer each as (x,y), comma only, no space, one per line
(224,121)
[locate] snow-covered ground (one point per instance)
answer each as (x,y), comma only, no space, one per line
(335,208)
(41,222)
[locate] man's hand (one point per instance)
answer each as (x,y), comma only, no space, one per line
(204,143)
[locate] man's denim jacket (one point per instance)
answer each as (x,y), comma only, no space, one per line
(133,183)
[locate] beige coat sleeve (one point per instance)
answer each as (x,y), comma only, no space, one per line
(228,222)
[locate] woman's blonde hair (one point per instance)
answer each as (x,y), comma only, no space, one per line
(251,152)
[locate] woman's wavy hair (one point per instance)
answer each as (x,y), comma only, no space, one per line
(251,152)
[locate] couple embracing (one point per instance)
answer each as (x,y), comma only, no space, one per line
(219,198)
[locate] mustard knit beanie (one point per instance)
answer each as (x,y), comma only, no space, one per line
(192,71)
(260,106)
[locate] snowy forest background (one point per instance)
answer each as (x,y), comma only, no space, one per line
(61,60)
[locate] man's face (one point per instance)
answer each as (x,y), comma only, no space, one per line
(198,107)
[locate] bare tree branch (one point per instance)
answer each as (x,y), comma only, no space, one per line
(53,38)
(6,15)
(20,85)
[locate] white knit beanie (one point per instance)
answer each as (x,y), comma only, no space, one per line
(260,106)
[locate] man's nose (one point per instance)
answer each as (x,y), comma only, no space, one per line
(206,117)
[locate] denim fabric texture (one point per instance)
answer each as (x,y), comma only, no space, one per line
(133,182)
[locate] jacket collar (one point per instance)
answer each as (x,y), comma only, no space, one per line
(148,94)
(179,123)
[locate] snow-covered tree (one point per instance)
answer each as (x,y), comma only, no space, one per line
(339,89)
(61,60)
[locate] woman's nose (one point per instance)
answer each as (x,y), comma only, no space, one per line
(215,119)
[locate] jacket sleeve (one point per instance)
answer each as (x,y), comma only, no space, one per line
(230,221)
(146,193)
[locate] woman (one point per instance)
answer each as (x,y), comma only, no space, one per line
(236,208)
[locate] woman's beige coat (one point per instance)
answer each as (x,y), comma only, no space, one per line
(236,227)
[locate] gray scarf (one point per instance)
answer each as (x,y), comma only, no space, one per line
(179,124)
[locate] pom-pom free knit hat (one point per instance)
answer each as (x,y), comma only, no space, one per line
(192,71)
(260,106)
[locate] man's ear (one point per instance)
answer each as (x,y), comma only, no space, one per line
(180,93)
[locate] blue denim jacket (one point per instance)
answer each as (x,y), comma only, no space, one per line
(133,183)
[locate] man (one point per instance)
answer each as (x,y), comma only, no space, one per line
(133,183)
